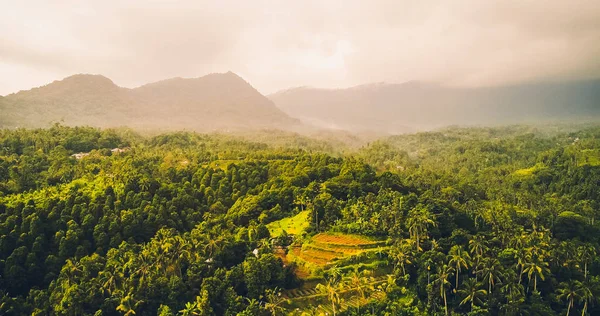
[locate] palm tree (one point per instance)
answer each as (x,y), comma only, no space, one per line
(586,254)
(458,259)
(478,245)
(274,301)
(359,281)
(128,304)
(515,295)
(492,272)
(472,293)
(569,292)
(108,281)
(332,289)
(402,259)
(521,256)
(212,246)
(536,269)
(586,294)
(443,274)
(419,219)
(390,283)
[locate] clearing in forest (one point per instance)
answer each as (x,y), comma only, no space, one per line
(294,225)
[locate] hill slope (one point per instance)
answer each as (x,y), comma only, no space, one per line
(212,102)
(409,106)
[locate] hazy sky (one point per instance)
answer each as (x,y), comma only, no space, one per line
(279,44)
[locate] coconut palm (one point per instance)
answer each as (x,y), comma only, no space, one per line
(472,293)
(332,288)
(536,269)
(444,273)
(274,301)
(515,296)
(359,281)
(478,245)
(402,259)
(522,256)
(586,294)
(477,248)
(128,304)
(569,292)
(419,219)
(586,254)
(458,258)
(491,269)
(212,246)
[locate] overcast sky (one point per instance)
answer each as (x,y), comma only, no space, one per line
(279,44)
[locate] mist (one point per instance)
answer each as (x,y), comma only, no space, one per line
(278,45)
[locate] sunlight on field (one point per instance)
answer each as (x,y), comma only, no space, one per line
(293,225)
(589,157)
(529,171)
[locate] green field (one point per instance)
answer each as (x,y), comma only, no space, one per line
(294,225)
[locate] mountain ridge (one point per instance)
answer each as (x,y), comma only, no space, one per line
(218,101)
(417,105)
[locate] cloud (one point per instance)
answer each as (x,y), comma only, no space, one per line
(278,44)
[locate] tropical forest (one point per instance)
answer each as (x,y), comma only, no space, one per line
(456,221)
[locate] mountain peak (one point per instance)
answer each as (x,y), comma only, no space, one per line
(215,101)
(88,79)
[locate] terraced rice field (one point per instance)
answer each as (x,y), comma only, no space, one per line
(326,248)
(343,240)
(303,300)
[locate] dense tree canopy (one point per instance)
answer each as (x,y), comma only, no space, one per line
(478,221)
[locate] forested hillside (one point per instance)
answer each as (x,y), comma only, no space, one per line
(463,221)
(215,102)
(414,106)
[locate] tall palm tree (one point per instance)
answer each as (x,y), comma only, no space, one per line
(444,273)
(359,281)
(586,254)
(586,294)
(190,309)
(491,270)
(478,245)
(402,259)
(128,304)
(458,258)
(569,292)
(212,246)
(522,257)
(515,295)
(274,301)
(419,219)
(390,283)
(536,269)
(477,248)
(472,293)
(332,288)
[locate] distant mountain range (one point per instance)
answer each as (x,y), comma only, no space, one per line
(213,102)
(396,108)
(226,102)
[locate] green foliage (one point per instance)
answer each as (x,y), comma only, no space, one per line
(455,221)
(295,225)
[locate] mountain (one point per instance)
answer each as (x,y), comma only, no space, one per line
(213,102)
(396,108)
